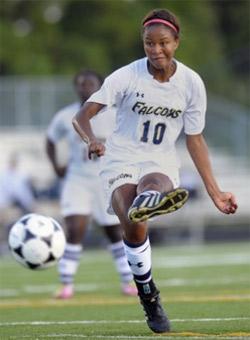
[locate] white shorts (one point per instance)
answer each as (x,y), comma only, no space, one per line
(115,174)
(85,196)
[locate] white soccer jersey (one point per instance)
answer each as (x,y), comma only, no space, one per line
(61,127)
(150,115)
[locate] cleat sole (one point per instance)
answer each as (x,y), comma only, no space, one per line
(173,201)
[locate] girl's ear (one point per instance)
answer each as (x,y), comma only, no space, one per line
(177,42)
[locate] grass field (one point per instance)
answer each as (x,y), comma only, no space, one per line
(205,290)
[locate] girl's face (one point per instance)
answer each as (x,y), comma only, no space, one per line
(160,44)
(85,86)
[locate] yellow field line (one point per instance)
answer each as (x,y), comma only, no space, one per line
(235,334)
(100,300)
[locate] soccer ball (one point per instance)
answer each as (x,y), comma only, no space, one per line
(36,241)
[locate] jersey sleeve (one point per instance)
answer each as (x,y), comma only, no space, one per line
(194,115)
(56,130)
(114,88)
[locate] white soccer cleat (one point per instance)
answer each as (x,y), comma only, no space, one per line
(148,204)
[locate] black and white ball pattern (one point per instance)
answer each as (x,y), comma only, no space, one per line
(37,241)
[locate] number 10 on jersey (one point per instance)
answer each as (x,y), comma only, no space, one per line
(158,132)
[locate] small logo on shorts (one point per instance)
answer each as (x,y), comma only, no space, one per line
(114,179)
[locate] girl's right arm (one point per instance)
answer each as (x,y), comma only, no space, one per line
(81,123)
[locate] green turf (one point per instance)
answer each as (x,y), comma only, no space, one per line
(205,290)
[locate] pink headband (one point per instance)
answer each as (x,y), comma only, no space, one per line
(161,21)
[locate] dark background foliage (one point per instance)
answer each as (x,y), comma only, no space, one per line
(49,37)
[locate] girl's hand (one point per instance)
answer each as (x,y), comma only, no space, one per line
(60,171)
(96,147)
(225,202)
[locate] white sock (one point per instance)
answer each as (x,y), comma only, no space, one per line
(121,262)
(68,265)
(139,259)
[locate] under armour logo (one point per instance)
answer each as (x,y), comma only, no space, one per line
(138,94)
(146,289)
(139,264)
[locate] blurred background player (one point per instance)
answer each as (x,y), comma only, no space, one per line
(16,188)
(82,194)
(16,197)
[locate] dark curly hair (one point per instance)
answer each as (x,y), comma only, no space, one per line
(87,73)
(163,14)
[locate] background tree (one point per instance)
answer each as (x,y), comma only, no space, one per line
(52,37)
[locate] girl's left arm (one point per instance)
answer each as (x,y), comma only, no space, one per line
(197,147)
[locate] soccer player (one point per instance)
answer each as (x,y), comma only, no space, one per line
(154,97)
(16,188)
(82,193)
